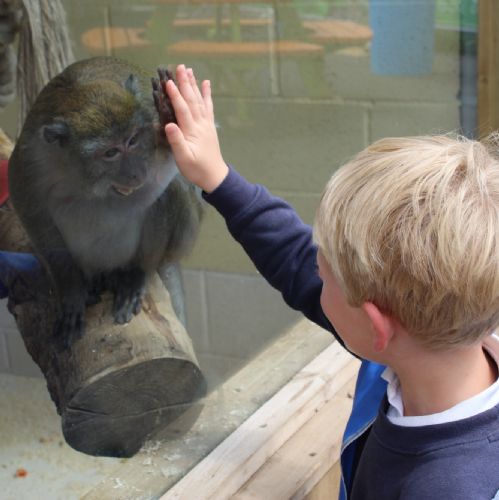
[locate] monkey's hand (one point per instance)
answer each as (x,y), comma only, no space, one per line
(162,100)
(73,296)
(128,286)
(23,279)
(70,322)
(71,288)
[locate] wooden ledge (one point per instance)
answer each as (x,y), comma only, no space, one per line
(286,447)
(244,49)
(275,383)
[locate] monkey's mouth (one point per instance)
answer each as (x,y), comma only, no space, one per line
(124,190)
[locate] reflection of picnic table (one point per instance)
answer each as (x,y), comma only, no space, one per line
(327,32)
(223,41)
(233,55)
(306,49)
(107,40)
(244,49)
(337,32)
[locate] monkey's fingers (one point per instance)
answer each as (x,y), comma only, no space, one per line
(162,102)
(69,325)
(125,307)
(157,105)
(164,74)
(159,84)
(128,287)
(92,299)
(157,99)
(76,329)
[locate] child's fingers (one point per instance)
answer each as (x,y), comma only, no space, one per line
(194,85)
(208,102)
(174,134)
(177,142)
(182,109)
(187,92)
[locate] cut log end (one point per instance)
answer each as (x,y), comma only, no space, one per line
(119,384)
(115,414)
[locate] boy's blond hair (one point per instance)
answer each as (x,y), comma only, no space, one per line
(412,225)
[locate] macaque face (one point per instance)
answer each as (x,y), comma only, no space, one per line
(105,145)
(125,164)
(120,165)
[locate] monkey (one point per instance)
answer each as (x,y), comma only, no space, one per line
(95,185)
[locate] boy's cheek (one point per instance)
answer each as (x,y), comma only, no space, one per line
(325,302)
(349,323)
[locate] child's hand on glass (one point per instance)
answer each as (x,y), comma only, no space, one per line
(194,138)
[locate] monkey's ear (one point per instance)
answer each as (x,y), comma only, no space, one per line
(56,131)
(132,85)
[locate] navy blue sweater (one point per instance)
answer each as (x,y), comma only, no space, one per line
(380,460)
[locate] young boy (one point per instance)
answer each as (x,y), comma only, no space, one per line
(407,252)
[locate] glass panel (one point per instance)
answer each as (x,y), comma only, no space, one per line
(299,87)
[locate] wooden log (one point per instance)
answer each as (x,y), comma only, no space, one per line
(119,384)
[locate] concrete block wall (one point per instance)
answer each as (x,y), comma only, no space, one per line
(275,132)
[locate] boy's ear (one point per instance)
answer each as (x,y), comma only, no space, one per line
(382,325)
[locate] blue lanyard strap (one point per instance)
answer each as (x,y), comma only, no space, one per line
(369,392)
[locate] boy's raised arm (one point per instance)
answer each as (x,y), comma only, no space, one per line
(274,237)
(194,140)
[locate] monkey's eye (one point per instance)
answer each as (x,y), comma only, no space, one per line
(133,140)
(111,154)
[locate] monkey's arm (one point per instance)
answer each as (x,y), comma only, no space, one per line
(168,234)
(172,224)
